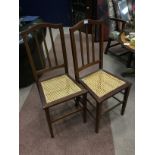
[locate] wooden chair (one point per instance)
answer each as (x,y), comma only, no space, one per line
(53,90)
(118,23)
(100,84)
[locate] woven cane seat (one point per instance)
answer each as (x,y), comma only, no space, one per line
(101,83)
(59,87)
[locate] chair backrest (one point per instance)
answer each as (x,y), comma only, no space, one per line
(36,40)
(121,11)
(86,55)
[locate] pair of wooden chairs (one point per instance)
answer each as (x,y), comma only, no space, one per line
(56,90)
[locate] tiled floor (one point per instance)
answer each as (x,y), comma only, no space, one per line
(123,127)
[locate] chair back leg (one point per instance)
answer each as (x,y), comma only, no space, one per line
(49,122)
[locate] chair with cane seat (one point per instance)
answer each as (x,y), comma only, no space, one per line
(100,84)
(57,89)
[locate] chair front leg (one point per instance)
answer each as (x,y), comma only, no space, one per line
(126,94)
(98,115)
(49,122)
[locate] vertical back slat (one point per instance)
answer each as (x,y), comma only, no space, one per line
(53,46)
(73,45)
(81,46)
(41,56)
(63,48)
(101,45)
(93,31)
(46,49)
(87,43)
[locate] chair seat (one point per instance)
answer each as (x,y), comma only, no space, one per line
(114,35)
(102,83)
(59,87)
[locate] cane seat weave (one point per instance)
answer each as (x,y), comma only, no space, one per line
(59,87)
(101,83)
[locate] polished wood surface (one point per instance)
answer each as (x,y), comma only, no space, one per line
(124,40)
